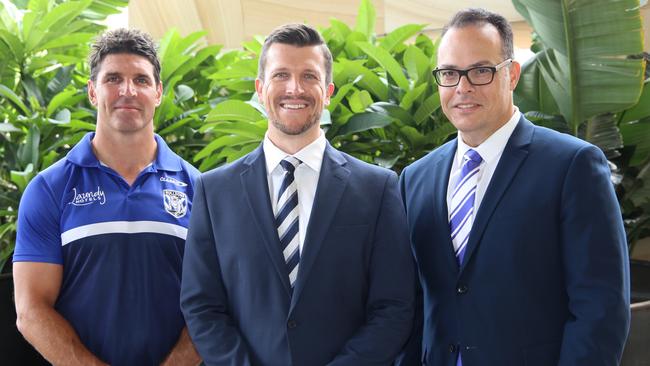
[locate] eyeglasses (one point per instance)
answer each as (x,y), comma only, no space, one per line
(481,75)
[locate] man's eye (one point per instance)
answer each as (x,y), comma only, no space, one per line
(112,79)
(142,81)
(311,77)
(280,75)
(448,74)
(483,70)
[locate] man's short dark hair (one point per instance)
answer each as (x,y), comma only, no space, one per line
(299,35)
(130,41)
(478,16)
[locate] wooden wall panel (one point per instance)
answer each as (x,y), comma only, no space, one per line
(262,16)
(437,13)
(158,16)
(222,19)
(229,22)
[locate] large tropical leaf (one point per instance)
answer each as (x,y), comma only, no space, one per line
(587,42)
(359,101)
(11,96)
(234,110)
(346,71)
(532,93)
(100,9)
(636,134)
(365,121)
(417,64)
(429,106)
(400,35)
(341,92)
(641,109)
(175,51)
(601,130)
(9,17)
(387,61)
(366,19)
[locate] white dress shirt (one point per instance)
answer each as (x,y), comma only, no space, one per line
(306,177)
(490,150)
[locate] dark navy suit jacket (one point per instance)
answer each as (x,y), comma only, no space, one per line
(353,299)
(545,278)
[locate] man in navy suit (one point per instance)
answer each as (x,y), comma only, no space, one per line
(297,254)
(515,228)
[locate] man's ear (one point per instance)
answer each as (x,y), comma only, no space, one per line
(515,73)
(259,84)
(329,92)
(92,95)
(159,92)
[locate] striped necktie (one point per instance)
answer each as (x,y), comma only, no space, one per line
(461,214)
(286,218)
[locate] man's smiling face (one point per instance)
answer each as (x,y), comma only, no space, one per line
(294,90)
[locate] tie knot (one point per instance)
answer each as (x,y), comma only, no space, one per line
(290,163)
(473,156)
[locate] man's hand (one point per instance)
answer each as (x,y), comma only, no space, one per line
(183,353)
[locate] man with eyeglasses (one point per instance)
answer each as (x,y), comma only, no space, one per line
(516,229)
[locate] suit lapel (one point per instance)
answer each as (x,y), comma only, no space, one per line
(440,176)
(256,190)
(513,156)
(332,181)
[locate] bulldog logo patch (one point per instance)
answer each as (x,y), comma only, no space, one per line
(175,202)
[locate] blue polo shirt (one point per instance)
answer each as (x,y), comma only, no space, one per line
(121,248)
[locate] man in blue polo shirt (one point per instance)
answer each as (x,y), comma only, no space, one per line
(101,233)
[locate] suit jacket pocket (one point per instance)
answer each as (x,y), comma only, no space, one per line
(542,354)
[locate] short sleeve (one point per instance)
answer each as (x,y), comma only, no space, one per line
(38,236)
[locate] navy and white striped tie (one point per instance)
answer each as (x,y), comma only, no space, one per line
(286,218)
(461,215)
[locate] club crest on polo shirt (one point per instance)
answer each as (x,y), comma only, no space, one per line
(88,198)
(175,202)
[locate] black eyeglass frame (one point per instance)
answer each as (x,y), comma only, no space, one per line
(466,72)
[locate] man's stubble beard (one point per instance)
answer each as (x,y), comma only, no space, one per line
(287,130)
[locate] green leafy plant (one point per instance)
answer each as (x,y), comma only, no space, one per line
(587,79)
(188,94)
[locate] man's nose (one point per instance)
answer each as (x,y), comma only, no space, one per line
(127,88)
(294,86)
(464,86)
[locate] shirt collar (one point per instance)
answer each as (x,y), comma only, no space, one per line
(82,154)
(310,155)
(491,148)
(165,157)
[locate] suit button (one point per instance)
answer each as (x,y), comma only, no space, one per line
(461,289)
(453,348)
(292,324)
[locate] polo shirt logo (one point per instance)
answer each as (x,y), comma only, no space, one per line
(175,202)
(88,198)
(173,181)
